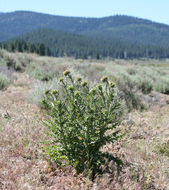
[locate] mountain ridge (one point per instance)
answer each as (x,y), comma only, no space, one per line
(119,27)
(83,17)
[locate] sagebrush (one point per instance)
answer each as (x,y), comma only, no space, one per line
(4,81)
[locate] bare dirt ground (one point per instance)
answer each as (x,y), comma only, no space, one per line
(23,166)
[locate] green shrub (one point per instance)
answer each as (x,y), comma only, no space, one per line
(145,86)
(81,120)
(37,91)
(12,63)
(4,81)
(131,71)
(127,92)
(164,149)
(2,53)
(37,72)
(162,86)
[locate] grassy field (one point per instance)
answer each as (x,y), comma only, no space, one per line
(143,89)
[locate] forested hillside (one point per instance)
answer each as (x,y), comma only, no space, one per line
(59,44)
(124,28)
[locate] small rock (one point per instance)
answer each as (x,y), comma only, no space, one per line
(5,115)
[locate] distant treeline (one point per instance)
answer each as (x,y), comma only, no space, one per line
(23,46)
(79,46)
(60,44)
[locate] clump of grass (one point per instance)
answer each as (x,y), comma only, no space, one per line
(2,53)
(162,85)
(37,92)
(131,70)
(4,81)
(164,149)
(145,86)
(11,63)
(81,120)
(37,72)
(127,92)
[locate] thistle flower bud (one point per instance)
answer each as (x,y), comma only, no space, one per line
(54,92)
(60,79)
(58,103)
(99,87)
(112,84)
(104,79)
(46,92)
(76,93)
(79,79)
(84,83)
(70,88)
(67,72)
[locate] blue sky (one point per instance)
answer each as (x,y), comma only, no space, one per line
(156,10)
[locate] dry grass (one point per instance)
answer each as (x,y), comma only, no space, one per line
(23,165)
(147,131)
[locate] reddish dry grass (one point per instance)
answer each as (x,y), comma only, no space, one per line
(23,165)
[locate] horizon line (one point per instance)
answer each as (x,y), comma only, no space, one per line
(89,17)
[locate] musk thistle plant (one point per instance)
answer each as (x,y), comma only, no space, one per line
(81,120)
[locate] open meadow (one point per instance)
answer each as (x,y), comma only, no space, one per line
(142,88)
